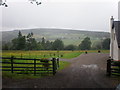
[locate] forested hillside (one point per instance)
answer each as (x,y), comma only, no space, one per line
(66,35)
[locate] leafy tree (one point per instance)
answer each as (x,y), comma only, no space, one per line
(70,47)
(106,43)
(43,43)
(58,45)
(19,43)
(5,47)
(85,44)
(97,45)
(31,43)
(14,44)
(39,46)
(19,34)
(48,45)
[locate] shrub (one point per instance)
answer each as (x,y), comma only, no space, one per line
(45,62)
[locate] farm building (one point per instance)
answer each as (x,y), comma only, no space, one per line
(115,40)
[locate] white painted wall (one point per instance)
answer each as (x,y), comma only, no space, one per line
(115,49)
(119,30)
(111,37)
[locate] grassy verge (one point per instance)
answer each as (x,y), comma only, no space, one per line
(41,54)
(96,51)
(72,55)
(63,64)
(48,54)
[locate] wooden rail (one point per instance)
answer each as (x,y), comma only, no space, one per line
(29,66)
(112,68)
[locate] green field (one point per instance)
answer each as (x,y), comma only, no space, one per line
(47,54)
(36,55)
(39,55)
(8,74)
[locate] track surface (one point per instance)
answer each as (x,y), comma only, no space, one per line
(85,71)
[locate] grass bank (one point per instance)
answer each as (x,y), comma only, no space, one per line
(63,64)
(41,54)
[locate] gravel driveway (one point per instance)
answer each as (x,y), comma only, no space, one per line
(85,71)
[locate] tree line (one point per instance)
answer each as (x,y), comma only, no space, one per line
(22,42)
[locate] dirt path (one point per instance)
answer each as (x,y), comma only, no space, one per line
(85,71)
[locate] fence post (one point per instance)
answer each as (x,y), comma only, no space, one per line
(34,66)
(54,65)
(57,62)
(21,55)
(12,64)
(109,67)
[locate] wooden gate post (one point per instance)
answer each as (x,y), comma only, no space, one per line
(109,67)
(12,64)
(34,66)
(54,65)
(57,62)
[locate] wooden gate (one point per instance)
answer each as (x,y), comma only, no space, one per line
(29,66)
(113,67)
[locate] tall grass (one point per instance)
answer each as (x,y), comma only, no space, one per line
(41,54)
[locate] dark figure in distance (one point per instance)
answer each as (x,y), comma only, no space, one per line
(85,52)
(99,51)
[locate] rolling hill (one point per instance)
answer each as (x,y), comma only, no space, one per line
(68,36)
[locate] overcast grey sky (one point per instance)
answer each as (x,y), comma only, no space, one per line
(73,14)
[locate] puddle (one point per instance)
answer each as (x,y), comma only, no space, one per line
(92,66)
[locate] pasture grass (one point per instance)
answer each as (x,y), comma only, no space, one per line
(48,54)
(41,54)
(63,64)
(8,74)
(19,76)
(38,55)
(96,51)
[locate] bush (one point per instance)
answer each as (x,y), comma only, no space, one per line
(45,62)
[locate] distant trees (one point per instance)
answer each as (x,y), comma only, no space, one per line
(31,43)
(43,43)
(102,44)
(70,47)
(106,43)
(97,45)
(28,42)
(48,45)
(19,43)
(85,44)
(58,45)
(5,46)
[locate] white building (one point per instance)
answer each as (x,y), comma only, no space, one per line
(119,11)
(115,40)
